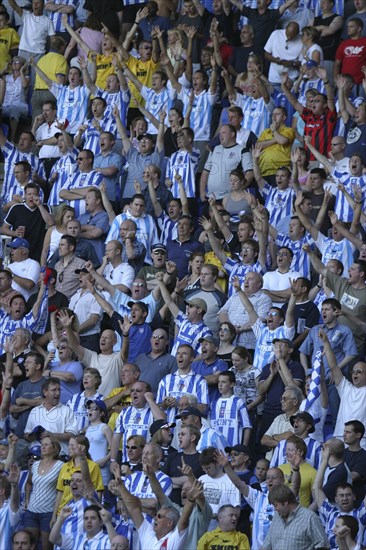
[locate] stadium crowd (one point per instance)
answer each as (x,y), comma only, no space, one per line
(183,275)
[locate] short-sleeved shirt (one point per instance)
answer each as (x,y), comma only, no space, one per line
(320,128)
(64,479)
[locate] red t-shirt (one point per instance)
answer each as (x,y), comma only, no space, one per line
(352,55)
(320,128)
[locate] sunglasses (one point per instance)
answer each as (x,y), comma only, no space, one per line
(132,447)
(61,277)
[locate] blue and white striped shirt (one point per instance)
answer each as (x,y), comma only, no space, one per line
(189,334)
(300,261)
(72,104)
(65,167)
(132,421)
(156,102)
(78,406)
(335,250)
(168,228)
(91,135)
(176,385)
(13,155)
(121,99)
(81,180)
(230,417)
(313,453)
(8,522)
(98,542)
(240,270)
(342,207)
(146,233)
(200,119)
(211,438)
(257,113)
(263,349)
(56,16)
(278,202)
(185,164)
(139,485)
(263,515)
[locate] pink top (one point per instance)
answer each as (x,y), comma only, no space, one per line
(92,38)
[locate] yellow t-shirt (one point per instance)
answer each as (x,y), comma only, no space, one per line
(125,401)
(307,474)
(64,478)
(232,540)
(104,69)
(275,156)
(143,70)
(9,40)
(52,64)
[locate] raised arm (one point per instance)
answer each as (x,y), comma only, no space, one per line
(317,264)
(66,322)
(331,358)
(248,306)
(321,158)
(168,300)
(16,8)
(76,36)
(223,460)
(121,130)
(207,226)
(319,495)
(135,81)
(87,79)
(291,98)
(304,220)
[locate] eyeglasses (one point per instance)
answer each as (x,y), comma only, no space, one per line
(138,285)
(273,313)
(357,371)
(61,277)
(156,337)
(111,274)
(132,447)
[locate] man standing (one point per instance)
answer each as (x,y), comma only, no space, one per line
(63,168)
(109,164)
(145,232)
(54,418)
(29,220)
(210,365)
(26,396)
(87,310)
(94,222)
(173,386)
(180,249)
(36,28)
(191,326)
(67,280)
(351,54)
(24,270)
(117,272)
(157,364)
(45,126)
(224,158)
(355,457)
(225,532)
(75,189)
(293,526)
(135,419)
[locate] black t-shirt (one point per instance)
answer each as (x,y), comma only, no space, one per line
(35,226)
(171,469)
(356,462)
(338,474)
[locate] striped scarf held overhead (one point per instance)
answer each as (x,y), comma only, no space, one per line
(314,389)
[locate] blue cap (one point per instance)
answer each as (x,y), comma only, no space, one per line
(311,63)
(4,442)
(99,403)
(19,242)
(35,450)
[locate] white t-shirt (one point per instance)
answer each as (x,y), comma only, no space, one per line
(274,280)
(36,29)
(29,269)
(171,541)
(108,366)
(122,274)
(352,406)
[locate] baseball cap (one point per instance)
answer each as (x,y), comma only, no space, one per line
(304,415)
(4,442)
(148,136)
(19,242)
(142,305)
(35,450)
(158,246)
(285,341)
(198,302)
(99,403)
(159,425)
(210,338)
(311,63)
(239,449)
(188,411)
